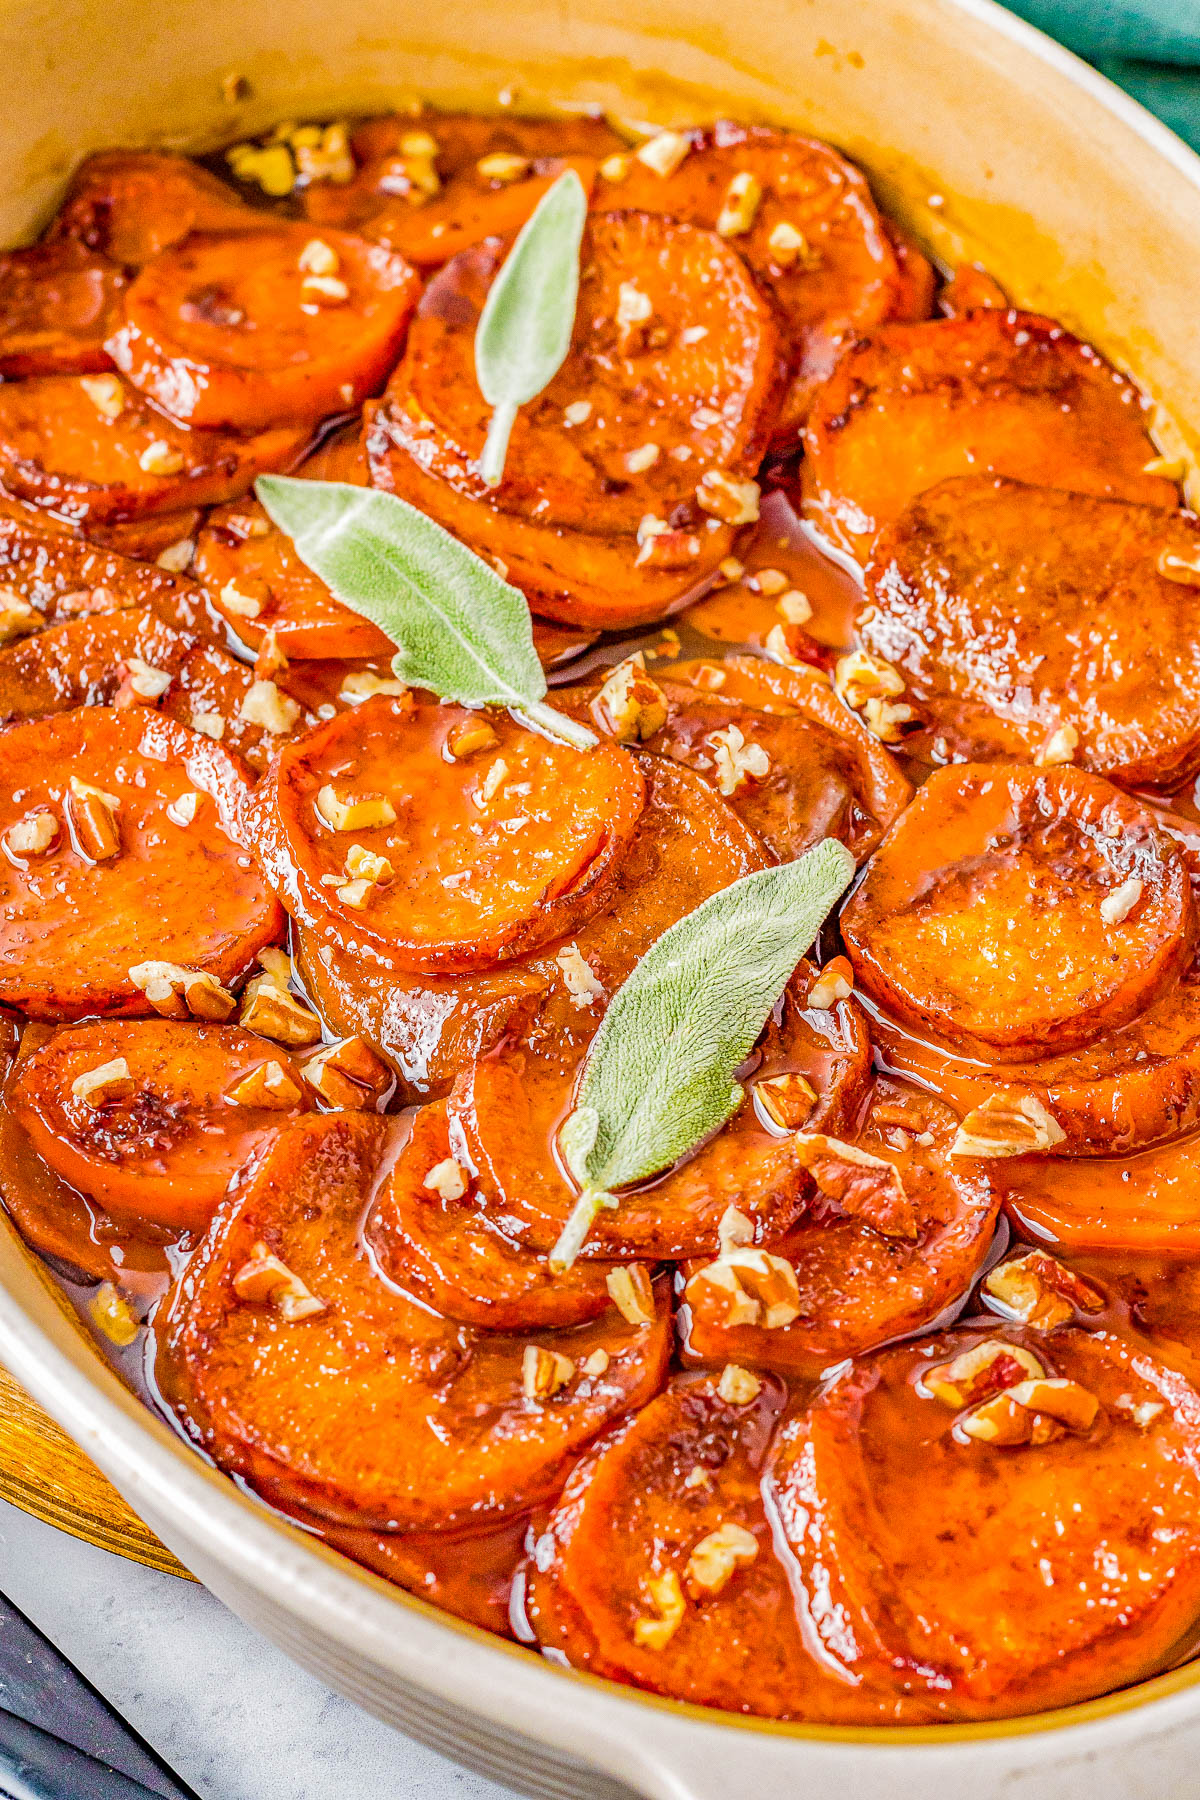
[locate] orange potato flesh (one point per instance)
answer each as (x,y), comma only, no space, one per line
(509,1107)
(1148,1201)
(466,1573)
(663,392)
(846,279)
(687,845)
(1013,611)
(71,928)
(147,539)
(282,1402)
(979,919)
(995,393)
(828,777)
(638,1505)
(59,451)
(165,1154)
(231,331)
(577,577)
(968,1580)
(132,204)
(471,209)
(859,1289)
(493,852)
(58,303)
(449,1253)
(1139,1087)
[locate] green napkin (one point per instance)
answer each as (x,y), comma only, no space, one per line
(1149,47)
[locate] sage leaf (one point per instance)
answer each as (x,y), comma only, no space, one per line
(460,630)
(524,330)
(660,1075)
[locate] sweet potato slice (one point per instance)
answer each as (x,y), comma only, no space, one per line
(1017,612)
(695,372)
(58,303)
(281,1400)
(266,328)
(857,1287)
(994,1577)
(164,1152)
(255,579)
(814,240)
(393,200)
(617,1566)
(1139,1087)
(72,924)
(446,1249)
(59,450)
(826,776)
(469,1574)
(687,845)
(65,577)
(496,838)
(980,916)
(577,577)
(508,1107)
(994,393)
(168,535)
(1148,1201)
(132,204)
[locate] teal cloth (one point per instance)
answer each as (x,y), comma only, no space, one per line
(1149,47)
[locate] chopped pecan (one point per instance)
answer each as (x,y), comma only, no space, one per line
(866,1187)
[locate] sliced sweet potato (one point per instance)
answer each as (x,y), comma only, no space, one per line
(393,200)
(695,372)
(577,577)
(508,1107)
(980,917)
(994,393)
(1141,1086)
(687,845)
(59,450)
(73,923)
(1017,612)
(58,303)
(993,1577)
(857,1286)
(281,1400)
(445,1248)
(814,240)
(65,577)
(168,534)
(496,838)
(467,1573)
(612,1584)
(970,289)
(255,579)
(826,776)
(1147,1202)
(159,1140)
(918,277)
(132,204)
(267,328)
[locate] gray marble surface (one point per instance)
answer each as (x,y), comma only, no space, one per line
(226,1709)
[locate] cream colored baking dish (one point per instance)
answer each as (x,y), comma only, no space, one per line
(994,144)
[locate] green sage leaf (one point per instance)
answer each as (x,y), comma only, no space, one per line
(524,330)
(460,630)
(660,1075)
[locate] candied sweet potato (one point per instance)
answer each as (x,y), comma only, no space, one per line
(119,459)
(980,916)
(1017,612)
(264,328)
(159,1140)
(494,838)
(131,204)
(858,1288)
(465,1425)
(814,239)
(1148,1201)
(971,1578)
(445,1248)
(687,845)
(58,303)
(73,923)
(994,393)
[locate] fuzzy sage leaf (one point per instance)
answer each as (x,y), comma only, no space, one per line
(460,630)
(524,330)
(660,1075)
